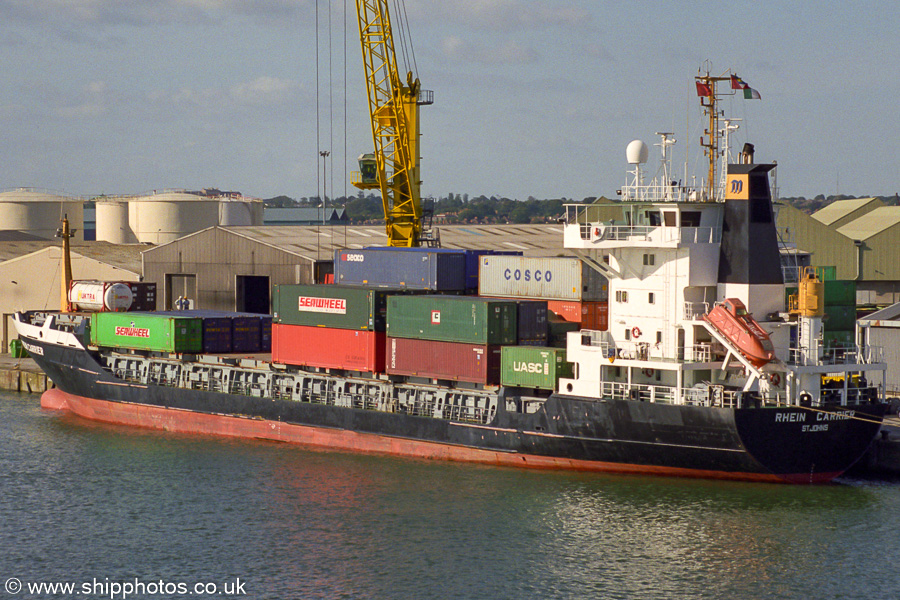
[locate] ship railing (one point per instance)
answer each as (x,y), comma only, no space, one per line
(700,353)
(837,354)
(637,392)
(654,234)
(694,311)
(658,192)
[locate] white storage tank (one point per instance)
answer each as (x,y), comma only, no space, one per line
(240,211)
(100,296)
(112,221)
(40,212)
(166,216)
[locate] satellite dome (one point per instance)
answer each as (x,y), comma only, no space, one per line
(637,152)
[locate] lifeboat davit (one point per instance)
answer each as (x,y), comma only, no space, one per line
(731,319)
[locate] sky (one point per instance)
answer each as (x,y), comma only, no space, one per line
(533,98)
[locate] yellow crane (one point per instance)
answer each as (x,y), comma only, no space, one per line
(394,114)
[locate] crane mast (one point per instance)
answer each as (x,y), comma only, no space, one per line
(394,116)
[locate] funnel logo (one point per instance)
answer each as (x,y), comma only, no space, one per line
(737,187)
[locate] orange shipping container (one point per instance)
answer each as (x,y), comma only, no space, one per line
(590,315)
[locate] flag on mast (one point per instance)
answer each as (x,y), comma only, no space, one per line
(739,84)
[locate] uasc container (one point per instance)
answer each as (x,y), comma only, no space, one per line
(420,268)
(147,331)
(534,367)
(323,347)
(540,278)
(454,361)
(466,319)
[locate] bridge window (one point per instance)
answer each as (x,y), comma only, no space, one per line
(651,298)
(621,296)
(650,259)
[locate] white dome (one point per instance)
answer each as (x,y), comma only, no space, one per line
(637,152)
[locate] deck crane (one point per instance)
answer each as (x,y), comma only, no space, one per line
(394,114)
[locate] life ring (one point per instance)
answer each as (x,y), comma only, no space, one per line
(635,332)
(775,379)
(649,372)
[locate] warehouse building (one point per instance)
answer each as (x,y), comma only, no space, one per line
(882,329)
(859,237)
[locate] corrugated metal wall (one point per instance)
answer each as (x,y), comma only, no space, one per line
(216,257)
(889,339)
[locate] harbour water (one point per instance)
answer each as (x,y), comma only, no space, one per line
(110,509)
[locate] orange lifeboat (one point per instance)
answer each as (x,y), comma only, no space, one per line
(731,319)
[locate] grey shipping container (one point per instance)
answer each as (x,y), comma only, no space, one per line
(557,278)
(417,269)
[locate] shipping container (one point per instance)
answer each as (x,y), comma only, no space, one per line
(340,306)
(147,331)
(215,328)
(589,315)
(246,333)
(454,361)
(323,347)
(840,318)
(419,269)
(466,319)
(558,331)
(473,264)
(840,293)
(115,296)
(533,366)
(531,327)
(143,294)
(540,279)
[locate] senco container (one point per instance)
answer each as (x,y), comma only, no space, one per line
(147,331)
(466,319)
(533,366)
(328,348)
(340,306)
(476,363)
(412,268)
(540,278)
(531,327)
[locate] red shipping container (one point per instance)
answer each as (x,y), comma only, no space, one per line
(567,310)
(444,360)
(595,315)
(328,348)
(590,315)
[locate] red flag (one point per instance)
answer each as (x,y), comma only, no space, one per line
(703,89)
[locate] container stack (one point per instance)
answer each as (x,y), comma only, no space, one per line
(449,337)
(577,296)
(330,326)
(536,368)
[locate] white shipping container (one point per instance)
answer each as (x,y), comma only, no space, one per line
(540,279)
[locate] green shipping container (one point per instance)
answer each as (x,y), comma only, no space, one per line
(838,339)
(464,319)
(840,318)
(840,293)
(826,273)
(147,331)
(533,366)
(336,306)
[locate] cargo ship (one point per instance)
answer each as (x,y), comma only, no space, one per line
(700,368)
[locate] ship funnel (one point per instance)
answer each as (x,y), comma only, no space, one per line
(747,154)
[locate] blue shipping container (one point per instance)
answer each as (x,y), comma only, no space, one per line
(410,268)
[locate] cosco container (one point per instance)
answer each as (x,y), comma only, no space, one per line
(533,366)
(540,278)
(147,331)
(418,269)
(455,361)
(340,306)
(531,327)
(465,319)
(328,348)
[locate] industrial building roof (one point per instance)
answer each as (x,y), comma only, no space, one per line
(887,317)
(127,256)
(871,223)
(304,240)
(839,209)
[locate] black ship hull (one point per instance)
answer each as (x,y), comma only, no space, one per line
(789,444)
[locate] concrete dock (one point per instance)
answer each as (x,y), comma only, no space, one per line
(22,375)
